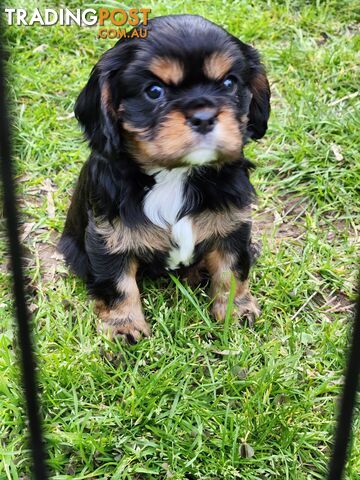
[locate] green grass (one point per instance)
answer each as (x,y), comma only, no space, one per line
(197,399)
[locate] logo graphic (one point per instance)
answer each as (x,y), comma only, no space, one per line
(119,18)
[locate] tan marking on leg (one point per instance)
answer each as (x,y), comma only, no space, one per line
(220,266)
(125,317)
(168,70)
(217,65)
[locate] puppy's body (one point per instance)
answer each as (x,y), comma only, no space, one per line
(167,185)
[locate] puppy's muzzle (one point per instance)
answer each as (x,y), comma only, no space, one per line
(201,113)
(203,120)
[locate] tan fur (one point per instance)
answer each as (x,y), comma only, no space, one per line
(230,139)
(219,224)
(126,317)
(120,239)
(168,70)
(106,100)
(217,65)
(221,269)
(106,94)
(149,238)
(130,128)
(175,139)
(259,84)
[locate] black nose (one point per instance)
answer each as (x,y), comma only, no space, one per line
(203,120)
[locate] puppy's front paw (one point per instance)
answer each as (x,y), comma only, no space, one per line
(130,328)
(122,322)
(245,306)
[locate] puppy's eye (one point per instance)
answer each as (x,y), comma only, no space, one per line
(155,91)
(230,83)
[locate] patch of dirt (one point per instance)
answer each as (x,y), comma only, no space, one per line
(41,256)
(329,303)
(37,251)
(49,259)
(323,38)
(269,222)
(284,223)
(353,29)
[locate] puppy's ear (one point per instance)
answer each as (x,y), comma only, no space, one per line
(259,109)
(95,112)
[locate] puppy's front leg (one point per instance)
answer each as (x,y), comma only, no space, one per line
(222,267)
(122,315)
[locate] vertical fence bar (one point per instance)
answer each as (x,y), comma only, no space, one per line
(25,344)
(340,448)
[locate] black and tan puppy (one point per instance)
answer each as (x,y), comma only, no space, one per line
(166,185)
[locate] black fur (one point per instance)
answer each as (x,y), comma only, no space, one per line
(113,183)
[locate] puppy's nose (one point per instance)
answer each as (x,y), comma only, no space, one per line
(203,120)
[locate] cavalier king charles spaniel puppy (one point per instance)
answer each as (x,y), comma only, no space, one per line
(166,187)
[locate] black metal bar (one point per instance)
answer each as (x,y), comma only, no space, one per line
(25,350)
(340,448)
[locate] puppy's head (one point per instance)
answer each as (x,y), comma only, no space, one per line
(188,94)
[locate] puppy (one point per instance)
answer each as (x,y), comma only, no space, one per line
(167,185)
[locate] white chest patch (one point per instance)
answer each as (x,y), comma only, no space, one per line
(162,206)
(182,235)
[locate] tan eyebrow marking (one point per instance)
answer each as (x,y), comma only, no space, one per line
(217,65)
(167,69)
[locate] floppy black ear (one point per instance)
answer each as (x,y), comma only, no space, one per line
(259,110)
(257,82)
(95,112)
